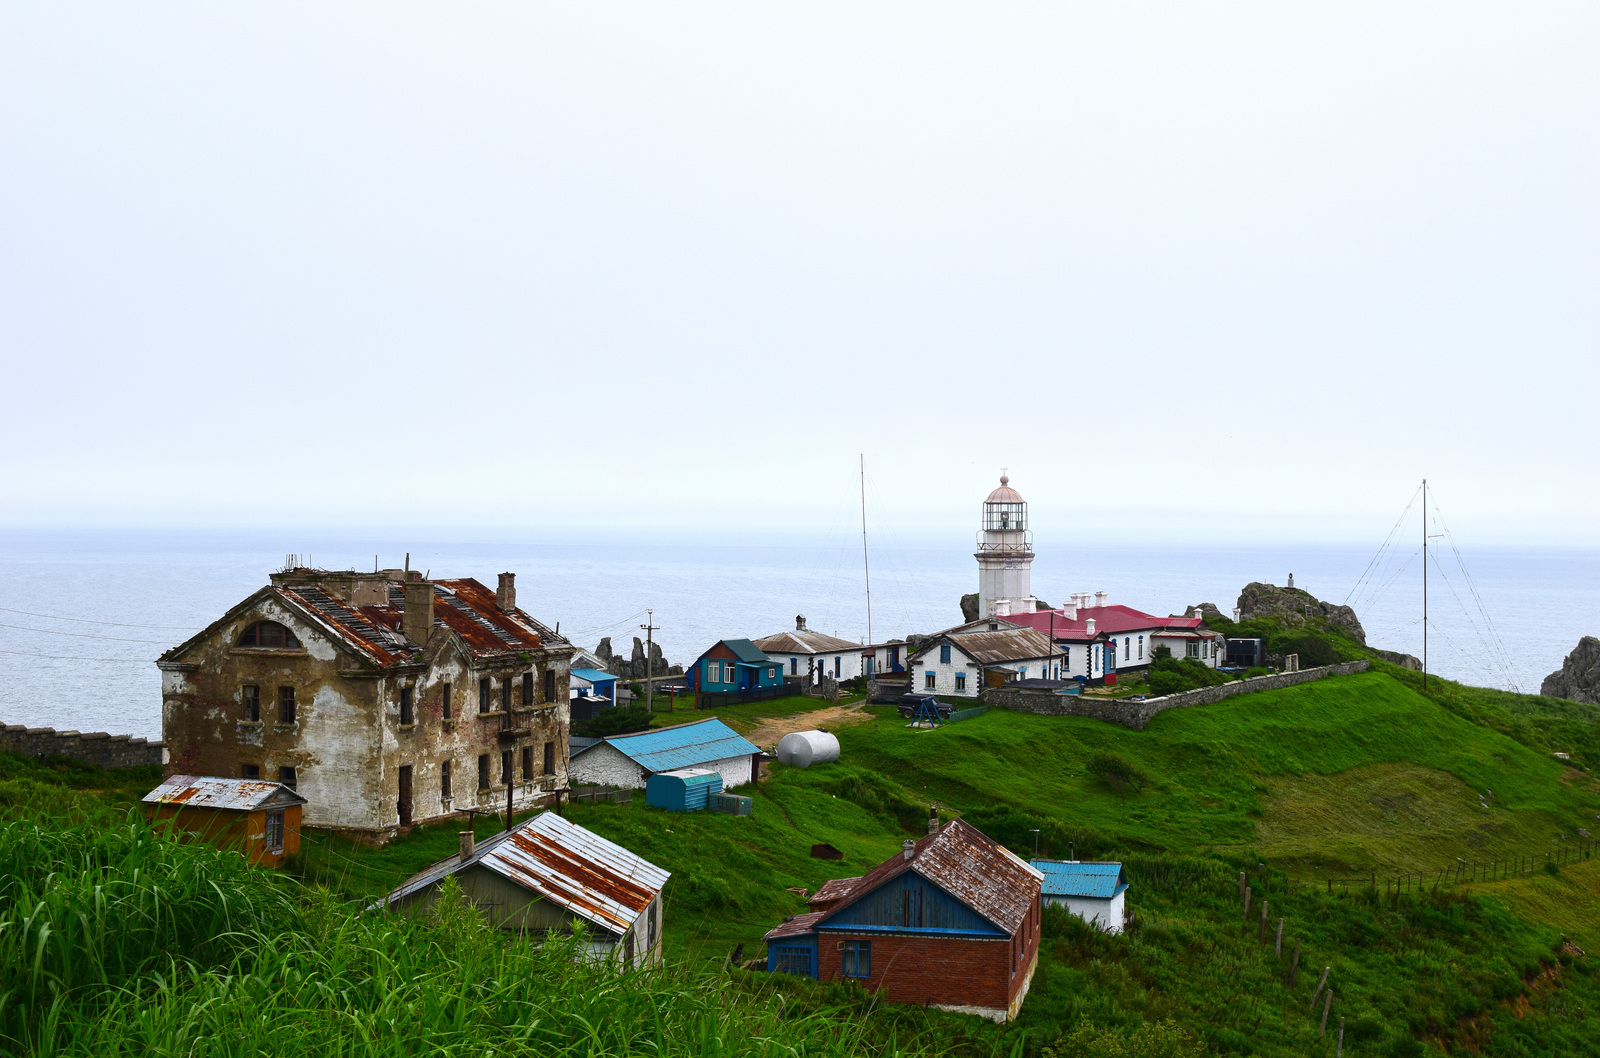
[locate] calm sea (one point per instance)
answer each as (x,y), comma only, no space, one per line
(85,614)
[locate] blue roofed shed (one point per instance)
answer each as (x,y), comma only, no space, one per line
(594,682)
(1092,891)
(684,790)
(629,760)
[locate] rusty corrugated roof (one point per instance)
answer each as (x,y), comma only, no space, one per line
(807,642)
(211,791)
(833,891)
(995,648)
(967,864)
(796,926)
(597,880)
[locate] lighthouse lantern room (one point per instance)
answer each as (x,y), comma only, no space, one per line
(1005,554)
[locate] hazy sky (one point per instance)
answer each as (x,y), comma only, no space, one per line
(1181,268)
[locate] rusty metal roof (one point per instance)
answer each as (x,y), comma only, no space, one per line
(211,791)
(597,880)
(833,891)
(967,864)
(1011,643)
(796,926)
(807,642)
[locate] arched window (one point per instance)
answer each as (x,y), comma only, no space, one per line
(269,635)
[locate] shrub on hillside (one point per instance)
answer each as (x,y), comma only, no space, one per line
(1116,772)
(1013,828)
(621,720)
(880,797)
(1169,675)
(1313,649)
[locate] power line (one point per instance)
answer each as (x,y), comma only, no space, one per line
(86,621)
(69,657)
(84,635)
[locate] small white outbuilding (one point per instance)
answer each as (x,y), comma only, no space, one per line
(1092,891)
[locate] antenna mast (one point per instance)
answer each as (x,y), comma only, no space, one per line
(865,569)
(1424,584)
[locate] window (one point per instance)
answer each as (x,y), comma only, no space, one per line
(269,635)
(285,705)
(1191,648)
(961,681)
(911,907)
(527,763)
(483,771)
(250,771)
(527,689)
(483,694)
(446,711)
(836,668)
(1127,647)
(793,959)
(857,958)
(444,780)
(944,653)
(930,680)
(1022,673)
(274,831)
(794,666)
(289,777)
(505,693)
(549,685)
(772,673)
(406,711)
(505,767)
(1141,648)
(252,703)
(549,758)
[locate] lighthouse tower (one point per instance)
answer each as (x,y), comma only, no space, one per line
(1005,554)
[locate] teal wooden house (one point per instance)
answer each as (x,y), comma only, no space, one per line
(734,666)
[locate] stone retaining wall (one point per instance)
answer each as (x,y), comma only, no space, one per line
(1136,714)
(94,747)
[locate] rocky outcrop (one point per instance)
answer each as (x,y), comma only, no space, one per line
(634,667)
(1293,607)
(1578,679)
(1203,610)
(969,608)
(1405,661)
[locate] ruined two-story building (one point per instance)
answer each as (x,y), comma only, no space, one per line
(383,698)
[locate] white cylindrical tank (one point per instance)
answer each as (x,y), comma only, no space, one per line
(805,748)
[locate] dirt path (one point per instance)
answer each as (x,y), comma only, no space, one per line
(767,733)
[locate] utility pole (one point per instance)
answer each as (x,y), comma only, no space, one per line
(865,569)
(1424,585)
(650,629)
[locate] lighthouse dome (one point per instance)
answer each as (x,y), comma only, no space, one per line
(1005,493)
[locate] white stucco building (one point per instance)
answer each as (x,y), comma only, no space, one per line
(804,652)
(1092,891)
(627,761)
(961,662)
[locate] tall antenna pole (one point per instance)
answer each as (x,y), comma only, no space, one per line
(865,569)
(1424,584)
(650,628)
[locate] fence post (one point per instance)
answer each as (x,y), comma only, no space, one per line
(1326,1006)
(1341,1037)
(1247,893)
(1320,983)
(1277,947)
(1241,885)
(1261,930)
(1294,963)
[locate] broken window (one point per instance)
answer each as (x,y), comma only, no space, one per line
(483,694)
(250,771)
(269,635)
(549,685)
(505,767)
(857,958)
(406,711)
(252,703)
(444,780)
(446,714)
(285,705)
(483,771)
(505,693)
(527,689)
(289,777)
(527,763)
(549,758)
(274,831)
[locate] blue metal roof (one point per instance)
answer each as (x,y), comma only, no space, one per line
(1067,878)
(593,675)
(684,746)
(746,651)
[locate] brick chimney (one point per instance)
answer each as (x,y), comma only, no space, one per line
(799,622)
(909,849)
(417,622)
(505,596)
(467,844)
(933,820)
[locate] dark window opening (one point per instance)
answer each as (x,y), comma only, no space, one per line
(527,689)
(858,958)
(549,685)
(250,771)
(911,907)
(252,703)
(289,777)
(527,763)
(269,635)
(483,694)
(285,705)
(505,693)
(505,767)
(549,758)
(483,771)
(446,712)
(444,779)
(406,713)
(274,831)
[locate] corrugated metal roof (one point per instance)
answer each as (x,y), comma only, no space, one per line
(806,642)
(592,675)
(1066,878)
(211,791)
(684,746)
(746,651)
(797,926)
(834,890)
(967,864)
(994,648)
(597,880)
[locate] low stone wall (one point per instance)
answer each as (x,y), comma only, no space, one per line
(1137,714)
(94,747)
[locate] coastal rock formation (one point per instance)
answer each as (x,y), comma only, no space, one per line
(1203,610)
(1292,606)
(633,668)
(1405,661)
(1578,679)
(969,608)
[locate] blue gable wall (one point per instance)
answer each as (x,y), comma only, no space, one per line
(884,908)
